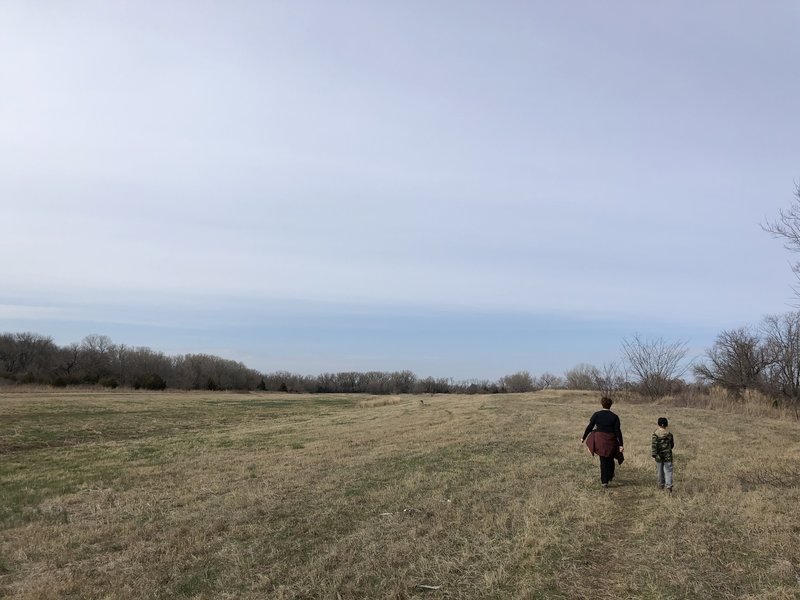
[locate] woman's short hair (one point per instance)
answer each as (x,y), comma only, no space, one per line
(606,402)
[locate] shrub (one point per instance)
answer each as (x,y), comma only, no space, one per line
(153,381)
(27,378)
(109,382)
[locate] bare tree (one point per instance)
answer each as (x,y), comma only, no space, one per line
(736,361)
(787,227)
(518,382)
(96,353)
(26,353)
(610,379)
(475,386)
(656,363)
(549,381)
(782,342)
(429,385)
(582,376)
(68,359)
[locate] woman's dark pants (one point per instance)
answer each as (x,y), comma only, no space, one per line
(606,469)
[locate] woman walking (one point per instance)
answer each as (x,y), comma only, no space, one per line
(603,436)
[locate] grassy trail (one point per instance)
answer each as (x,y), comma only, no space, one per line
(630,503)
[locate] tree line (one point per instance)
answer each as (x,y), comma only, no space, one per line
(32,358)
(765,358)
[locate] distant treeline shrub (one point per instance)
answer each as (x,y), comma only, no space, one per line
(31,358)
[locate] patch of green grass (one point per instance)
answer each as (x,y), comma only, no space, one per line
(19,500)
(335,401)
(251,405)
(145,453)
(52,472)
(193,584)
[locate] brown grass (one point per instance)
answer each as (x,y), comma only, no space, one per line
(750,404)
(117,495)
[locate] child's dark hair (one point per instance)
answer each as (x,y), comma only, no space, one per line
(606,402)
(662,422)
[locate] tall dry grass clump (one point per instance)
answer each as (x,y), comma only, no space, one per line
(749,403)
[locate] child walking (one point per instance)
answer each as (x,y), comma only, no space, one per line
(661,450)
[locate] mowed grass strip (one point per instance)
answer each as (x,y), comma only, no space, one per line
(211,495)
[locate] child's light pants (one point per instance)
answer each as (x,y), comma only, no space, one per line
(664,472)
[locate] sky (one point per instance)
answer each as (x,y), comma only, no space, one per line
(463,189)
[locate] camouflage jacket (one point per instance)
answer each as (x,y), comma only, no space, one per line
(662,445)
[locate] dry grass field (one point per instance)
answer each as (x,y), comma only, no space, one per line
(213,495)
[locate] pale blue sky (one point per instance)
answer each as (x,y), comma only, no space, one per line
(464,189)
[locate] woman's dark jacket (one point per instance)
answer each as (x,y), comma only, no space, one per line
(605,421)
